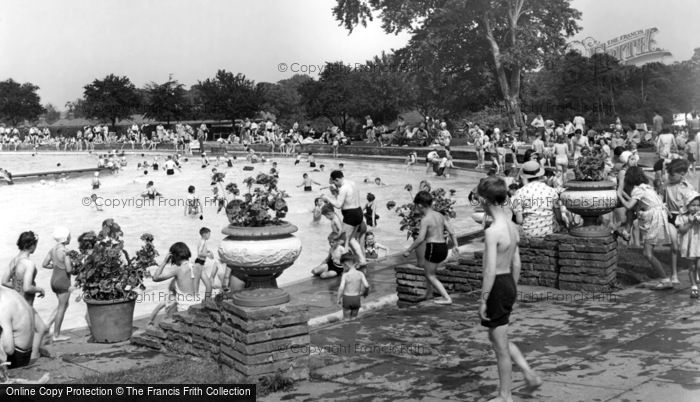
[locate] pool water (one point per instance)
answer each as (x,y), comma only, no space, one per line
(41,206)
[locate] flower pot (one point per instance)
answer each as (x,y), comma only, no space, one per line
(590,199)
(110,320)
(258,255)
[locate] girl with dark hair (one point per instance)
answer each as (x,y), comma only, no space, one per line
(177,266)
(652,216)
(20,277)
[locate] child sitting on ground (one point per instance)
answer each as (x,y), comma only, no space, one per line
(353,285)
(372,247)
(332,265)
(307,182)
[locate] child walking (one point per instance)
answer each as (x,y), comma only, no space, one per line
(193,205)
(654,226)
(353,285)
(203,253)
(499,288)
(688,225)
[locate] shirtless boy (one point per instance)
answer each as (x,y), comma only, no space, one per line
(348,201)
(499,291)
(432,232)
(353,285)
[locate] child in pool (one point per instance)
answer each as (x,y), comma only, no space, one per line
(307,182)
(370,211)
(411,160)
(372,247)
(96,181)
(151,193)
(312,160)
(317,211)
(193,206)
(328,212)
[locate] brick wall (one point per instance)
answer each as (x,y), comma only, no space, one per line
(558,261)
(253,341)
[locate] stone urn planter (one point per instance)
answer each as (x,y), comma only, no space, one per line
(590,199)
(258,255)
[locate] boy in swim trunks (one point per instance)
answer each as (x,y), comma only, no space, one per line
(332,265)
(17,330)
(433,226)
(203,253)
(307,182)
(353,285)
(499,291)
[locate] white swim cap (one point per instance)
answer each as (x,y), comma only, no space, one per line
(61,234)
(625,157)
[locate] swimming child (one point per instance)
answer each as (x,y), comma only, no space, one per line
(193,206)
(96,181)
(94,200)
(312,160)
(411,160)
(378,181)
(332,265)
(205,160)
(328,212)
(370,211)
(372,247)
(499,289)
(307,182)
(151,193)
(318,207)
(353,285)
(688,225)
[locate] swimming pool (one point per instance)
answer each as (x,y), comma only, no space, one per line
(40,207)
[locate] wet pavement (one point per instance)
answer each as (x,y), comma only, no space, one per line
(630,345)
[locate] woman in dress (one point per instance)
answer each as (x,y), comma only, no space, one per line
(652,215)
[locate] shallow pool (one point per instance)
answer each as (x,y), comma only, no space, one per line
(41,207)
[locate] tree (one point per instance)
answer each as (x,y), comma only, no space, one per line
(51,115)
(227,96)
(19,102)
(337,95)
(166,102)
(76,109)
(517,33)
(283,99)
(111,98)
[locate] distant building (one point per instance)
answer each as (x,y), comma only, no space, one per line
(636,48)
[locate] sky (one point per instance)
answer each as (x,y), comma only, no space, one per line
(62,45)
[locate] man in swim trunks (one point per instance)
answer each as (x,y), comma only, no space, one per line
(433,226)
(348,201)
(16,328)
(499,291)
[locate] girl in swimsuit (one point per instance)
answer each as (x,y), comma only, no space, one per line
(60,263)
(20,277)
(561,155)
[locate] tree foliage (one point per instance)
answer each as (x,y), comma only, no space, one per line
(227,96)
(283,99)
(166,102)
(512,36)
(111,98)
(19,102)
(51,114)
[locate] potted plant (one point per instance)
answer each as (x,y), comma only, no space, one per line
(411,218)
(259,245)
(109,281)
(591,194)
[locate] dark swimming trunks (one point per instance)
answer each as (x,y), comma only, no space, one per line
(170,172)
(436,252)
(351,302)
(154,166)
(499,303)
(332,267)
(95,186)
(19,358)
(199,261)
(307,188)
(352,217)
(312,164)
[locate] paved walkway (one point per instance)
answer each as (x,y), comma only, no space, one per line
(633,345)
